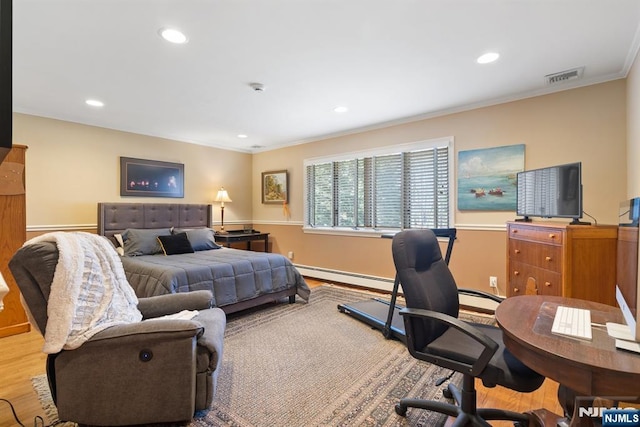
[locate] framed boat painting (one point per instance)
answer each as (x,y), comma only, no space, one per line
(487,178)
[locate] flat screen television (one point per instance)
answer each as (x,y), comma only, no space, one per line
(551,192)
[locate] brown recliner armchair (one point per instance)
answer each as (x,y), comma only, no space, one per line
(153,371)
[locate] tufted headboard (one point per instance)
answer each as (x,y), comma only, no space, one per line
(114,218)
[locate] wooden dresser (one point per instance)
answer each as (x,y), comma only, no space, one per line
(576,261)
(13,233)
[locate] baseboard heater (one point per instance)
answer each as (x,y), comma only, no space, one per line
(361,280)
(383,284)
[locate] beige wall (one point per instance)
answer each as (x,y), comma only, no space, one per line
(72,167)
(633,130)
(586,124)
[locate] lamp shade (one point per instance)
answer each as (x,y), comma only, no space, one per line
(222,196)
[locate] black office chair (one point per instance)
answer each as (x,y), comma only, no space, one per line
(436,335)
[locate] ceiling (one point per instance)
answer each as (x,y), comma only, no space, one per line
(388,61)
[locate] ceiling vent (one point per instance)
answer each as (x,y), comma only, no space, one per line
(564,76)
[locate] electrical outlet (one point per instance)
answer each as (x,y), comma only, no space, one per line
(290,255)
(493,281)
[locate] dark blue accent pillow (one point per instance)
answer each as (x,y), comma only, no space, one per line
(175,244)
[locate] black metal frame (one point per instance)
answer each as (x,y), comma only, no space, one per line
(393,327)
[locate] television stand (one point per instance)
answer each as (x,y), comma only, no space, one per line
(554,258)
(525,219)
(576,221)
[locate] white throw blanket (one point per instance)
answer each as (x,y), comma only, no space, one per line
(89,291)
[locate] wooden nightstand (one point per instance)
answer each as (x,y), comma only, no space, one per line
(240,236)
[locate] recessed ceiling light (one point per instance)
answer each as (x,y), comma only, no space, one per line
(242,135)
(94,103)
(172,35)
(341,109)
(488,57)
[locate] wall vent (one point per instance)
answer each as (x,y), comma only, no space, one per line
(564,76)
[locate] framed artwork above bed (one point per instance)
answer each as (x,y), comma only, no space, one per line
(151,178)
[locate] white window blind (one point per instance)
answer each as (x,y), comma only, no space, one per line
(321,191)
(346,193)
(405,187)
(388,188)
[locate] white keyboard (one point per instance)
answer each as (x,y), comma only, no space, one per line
(572,322)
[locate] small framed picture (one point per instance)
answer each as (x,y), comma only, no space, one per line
(151,178)
(275,187)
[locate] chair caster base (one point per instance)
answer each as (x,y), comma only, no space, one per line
(447,393)
(400,410)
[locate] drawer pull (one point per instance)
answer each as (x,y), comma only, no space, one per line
(517,251)
(547,284)
(552,236)
(516,290)
(516,273)
(547,258)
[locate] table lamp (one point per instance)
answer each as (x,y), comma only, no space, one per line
(222,197)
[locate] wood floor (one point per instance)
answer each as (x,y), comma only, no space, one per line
(21,358)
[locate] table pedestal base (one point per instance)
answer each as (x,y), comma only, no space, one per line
(545,418)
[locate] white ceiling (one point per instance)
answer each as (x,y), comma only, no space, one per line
(388,61)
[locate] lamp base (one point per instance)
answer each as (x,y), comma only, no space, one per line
(222,232)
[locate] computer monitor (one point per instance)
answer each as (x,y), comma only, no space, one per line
(627,277)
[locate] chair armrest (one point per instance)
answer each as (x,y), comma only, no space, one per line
(481,294)
(163,305)
(214,322)
(169,327)
(490,346)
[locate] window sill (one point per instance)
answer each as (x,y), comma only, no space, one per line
(348,232)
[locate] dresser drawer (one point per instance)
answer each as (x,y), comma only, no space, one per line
(550,283)
(545,256)
(536,234)
(525,279)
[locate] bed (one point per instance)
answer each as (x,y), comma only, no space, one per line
(237,278)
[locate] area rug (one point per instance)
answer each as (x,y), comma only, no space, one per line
(307,364)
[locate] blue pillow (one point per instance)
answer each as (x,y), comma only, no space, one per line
(138,241)
(201,239)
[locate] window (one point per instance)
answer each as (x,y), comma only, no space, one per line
(391,188)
